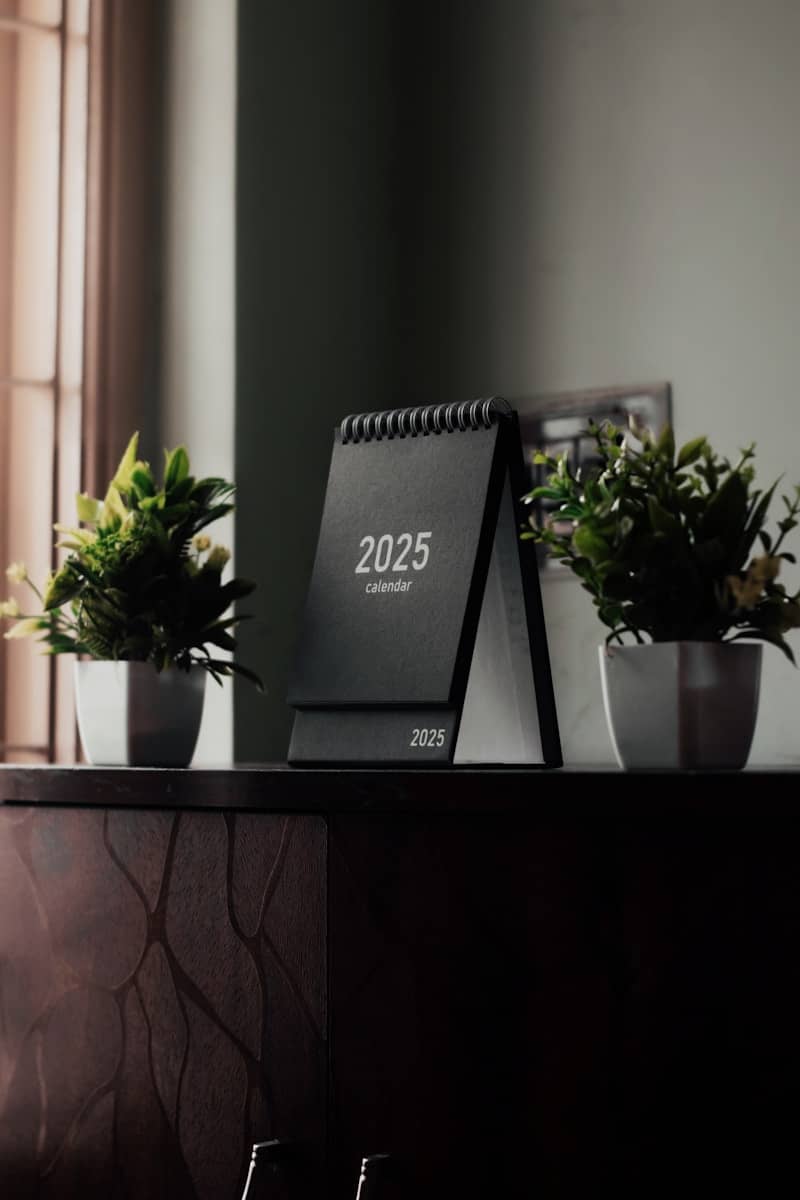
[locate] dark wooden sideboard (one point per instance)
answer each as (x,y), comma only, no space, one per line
(518,983)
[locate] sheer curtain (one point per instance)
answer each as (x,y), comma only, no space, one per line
(79,103)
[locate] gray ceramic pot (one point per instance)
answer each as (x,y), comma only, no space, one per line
(681,704)
(130,715)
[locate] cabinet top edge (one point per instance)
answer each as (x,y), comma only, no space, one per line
(579,790)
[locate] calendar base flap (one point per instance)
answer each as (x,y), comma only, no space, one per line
(378,737)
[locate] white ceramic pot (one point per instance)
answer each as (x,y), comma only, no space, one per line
(681,704)
(130,715)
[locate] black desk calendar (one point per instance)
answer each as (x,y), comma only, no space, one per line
(423,639)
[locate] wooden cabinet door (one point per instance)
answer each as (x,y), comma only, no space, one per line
(162,999)
(526,1006)
(470,1002)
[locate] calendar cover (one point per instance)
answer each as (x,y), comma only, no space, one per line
(391,606)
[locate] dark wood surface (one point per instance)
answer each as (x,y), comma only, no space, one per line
(518,983)
(564,794)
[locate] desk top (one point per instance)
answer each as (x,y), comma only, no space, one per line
(581,792)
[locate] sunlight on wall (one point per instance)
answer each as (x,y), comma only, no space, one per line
(198,332)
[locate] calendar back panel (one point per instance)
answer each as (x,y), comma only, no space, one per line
(390,593)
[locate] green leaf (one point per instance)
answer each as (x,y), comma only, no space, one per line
(71,647)
(88,509)
(230,621)
(726,512)
(227,667)
(114,510)
(62,587)
(81,537)
(246,673)
(691,451)
(610,614)
(774,639)
(27,627)
(181,491)
(666,444)
(142,481)
(212,488)
(122,477)
(546,493)
(219,637)
(590,545)
(213,514)
(237,589)
(173,514)
(661,520)
(756,517)
(176,467)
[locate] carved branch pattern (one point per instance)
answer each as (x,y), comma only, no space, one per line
(162,998)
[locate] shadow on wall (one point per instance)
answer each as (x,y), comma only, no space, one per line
(374,267)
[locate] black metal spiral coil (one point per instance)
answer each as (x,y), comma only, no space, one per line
(416,422)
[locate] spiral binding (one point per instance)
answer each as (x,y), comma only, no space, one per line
(416,422)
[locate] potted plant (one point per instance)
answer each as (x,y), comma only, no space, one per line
(663,541)
(140,598)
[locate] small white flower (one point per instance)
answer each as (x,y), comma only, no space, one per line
(9,608)
(218,558)
(17,572)
(201,542)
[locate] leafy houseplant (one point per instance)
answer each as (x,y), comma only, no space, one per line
(141,585)
(663,540)
(674,550)
(141,582)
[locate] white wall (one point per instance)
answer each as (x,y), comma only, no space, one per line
(667,246)
(625,206)
(199,239)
